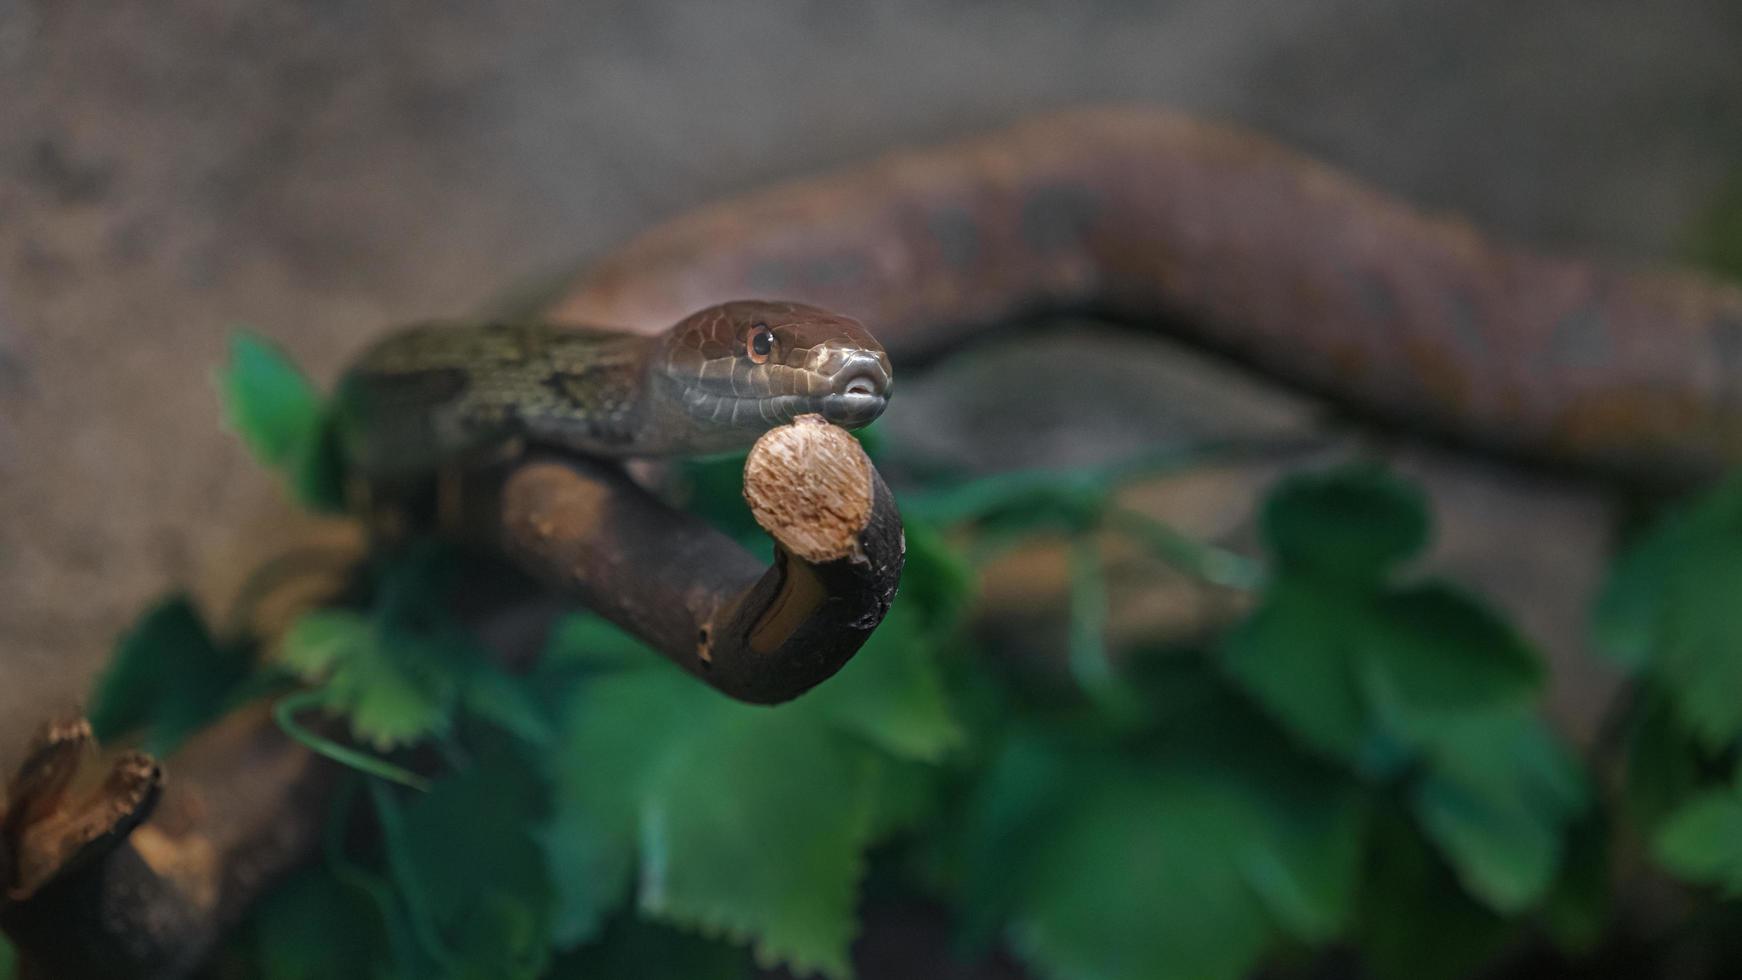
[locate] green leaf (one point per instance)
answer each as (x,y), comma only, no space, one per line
(396,686)
(779,861)
(593,643)
(168,678)
(8,960)
(1498,796)
(635,949)
(1414,922)
(312,927)
(740,820)
(322,640)
(1305,864)
(934,578)
(394,695)
(317,474)
(1135,886)
(507,702)
(713,489)
(1105,868)
(1664,761)
(1578,909)
(398,670)
(1017,797)
(474,867)
(268,401)
(1437,653)
(1360,671)
(1350,523)
(1702,841)
(890,692)
(1298,656)
(283,420)
(1670,607)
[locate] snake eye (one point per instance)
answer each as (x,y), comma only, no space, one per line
(761,343)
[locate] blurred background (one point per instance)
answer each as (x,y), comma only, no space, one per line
(319,172)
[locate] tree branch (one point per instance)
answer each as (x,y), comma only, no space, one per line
(140,877)
(763,635)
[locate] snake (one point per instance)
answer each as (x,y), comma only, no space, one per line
(474,392)
(1209,235)
(1199,231)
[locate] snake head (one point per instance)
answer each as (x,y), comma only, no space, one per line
(741,368)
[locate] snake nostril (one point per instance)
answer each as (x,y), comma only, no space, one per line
(862,375)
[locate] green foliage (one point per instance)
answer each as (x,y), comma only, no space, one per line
(314,927)
(1669,610)
(1413,922)
(1418,677)
(1186,853)
(1136,876)
(8,960)
(1355,523)
(462,891)
(167,679)
(396,687)
(1664,762)
(470,871)
(1356,764)
(1577,910)
(1702,841)
(630,948)
(1497,795)
(403,669)
(735,819)
(283,420)
(1358,668)
(1668,614)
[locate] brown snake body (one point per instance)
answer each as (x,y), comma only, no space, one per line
(1225,239)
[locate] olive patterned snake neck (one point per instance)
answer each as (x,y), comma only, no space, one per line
(440,393)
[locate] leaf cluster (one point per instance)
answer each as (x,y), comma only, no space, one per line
(1669,616)
(1358,764)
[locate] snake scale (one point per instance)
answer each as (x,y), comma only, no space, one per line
(1215,236)
(440,393)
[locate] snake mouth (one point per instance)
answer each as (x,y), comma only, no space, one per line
(850,409)
(861,391)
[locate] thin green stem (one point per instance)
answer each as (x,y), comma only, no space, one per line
(401,944)
(1091,663)
(1217,566)
(284,712)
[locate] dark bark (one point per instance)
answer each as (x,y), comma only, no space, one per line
(763,635)
(140,877)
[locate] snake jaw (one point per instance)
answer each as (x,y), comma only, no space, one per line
(859,384)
